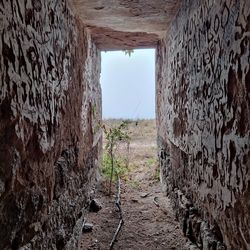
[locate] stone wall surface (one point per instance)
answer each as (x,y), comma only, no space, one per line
(126,24)
(203,116)
(50,108)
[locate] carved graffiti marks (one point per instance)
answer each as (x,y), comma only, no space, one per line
(216,23)
(49,71)
(205,88)
(247,84)
(231,86)
(25,53)
(224,16)
(7,52)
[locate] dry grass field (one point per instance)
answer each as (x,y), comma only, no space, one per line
(142,149)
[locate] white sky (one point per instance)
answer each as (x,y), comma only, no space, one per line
(128,84)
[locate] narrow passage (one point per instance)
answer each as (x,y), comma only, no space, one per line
(149,219)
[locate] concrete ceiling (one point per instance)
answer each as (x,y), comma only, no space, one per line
(124,24)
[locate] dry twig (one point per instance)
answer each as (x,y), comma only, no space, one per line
(118,204)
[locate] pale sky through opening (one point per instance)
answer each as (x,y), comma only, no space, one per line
(128,84)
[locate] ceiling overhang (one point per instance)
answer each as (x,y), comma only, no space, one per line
(126,24)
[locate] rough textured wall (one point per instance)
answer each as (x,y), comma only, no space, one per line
(49,133)
(203,115)
(126,24)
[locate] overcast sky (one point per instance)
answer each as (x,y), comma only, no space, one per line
(128,84)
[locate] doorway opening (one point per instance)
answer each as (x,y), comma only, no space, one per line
(128,102)
(128,84)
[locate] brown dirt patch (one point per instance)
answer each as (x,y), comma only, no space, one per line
(146,226)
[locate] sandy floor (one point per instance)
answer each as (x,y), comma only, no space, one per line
(147,226)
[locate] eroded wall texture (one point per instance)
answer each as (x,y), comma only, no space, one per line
(203,116)
(49,132)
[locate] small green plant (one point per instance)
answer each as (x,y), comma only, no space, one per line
(106,165)
(97,128)
(151,162)
(94,110)
(121,168)
(111,163)
(128,52)
(156,175)
(134,184)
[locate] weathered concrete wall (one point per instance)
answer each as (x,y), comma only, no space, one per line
(203,115)
(49,114)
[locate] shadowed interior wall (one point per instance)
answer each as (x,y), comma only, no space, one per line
(203,116)
(50,108)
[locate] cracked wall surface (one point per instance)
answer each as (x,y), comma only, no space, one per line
(203,116)
(50,109)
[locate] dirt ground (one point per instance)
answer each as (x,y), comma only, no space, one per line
(149,221)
